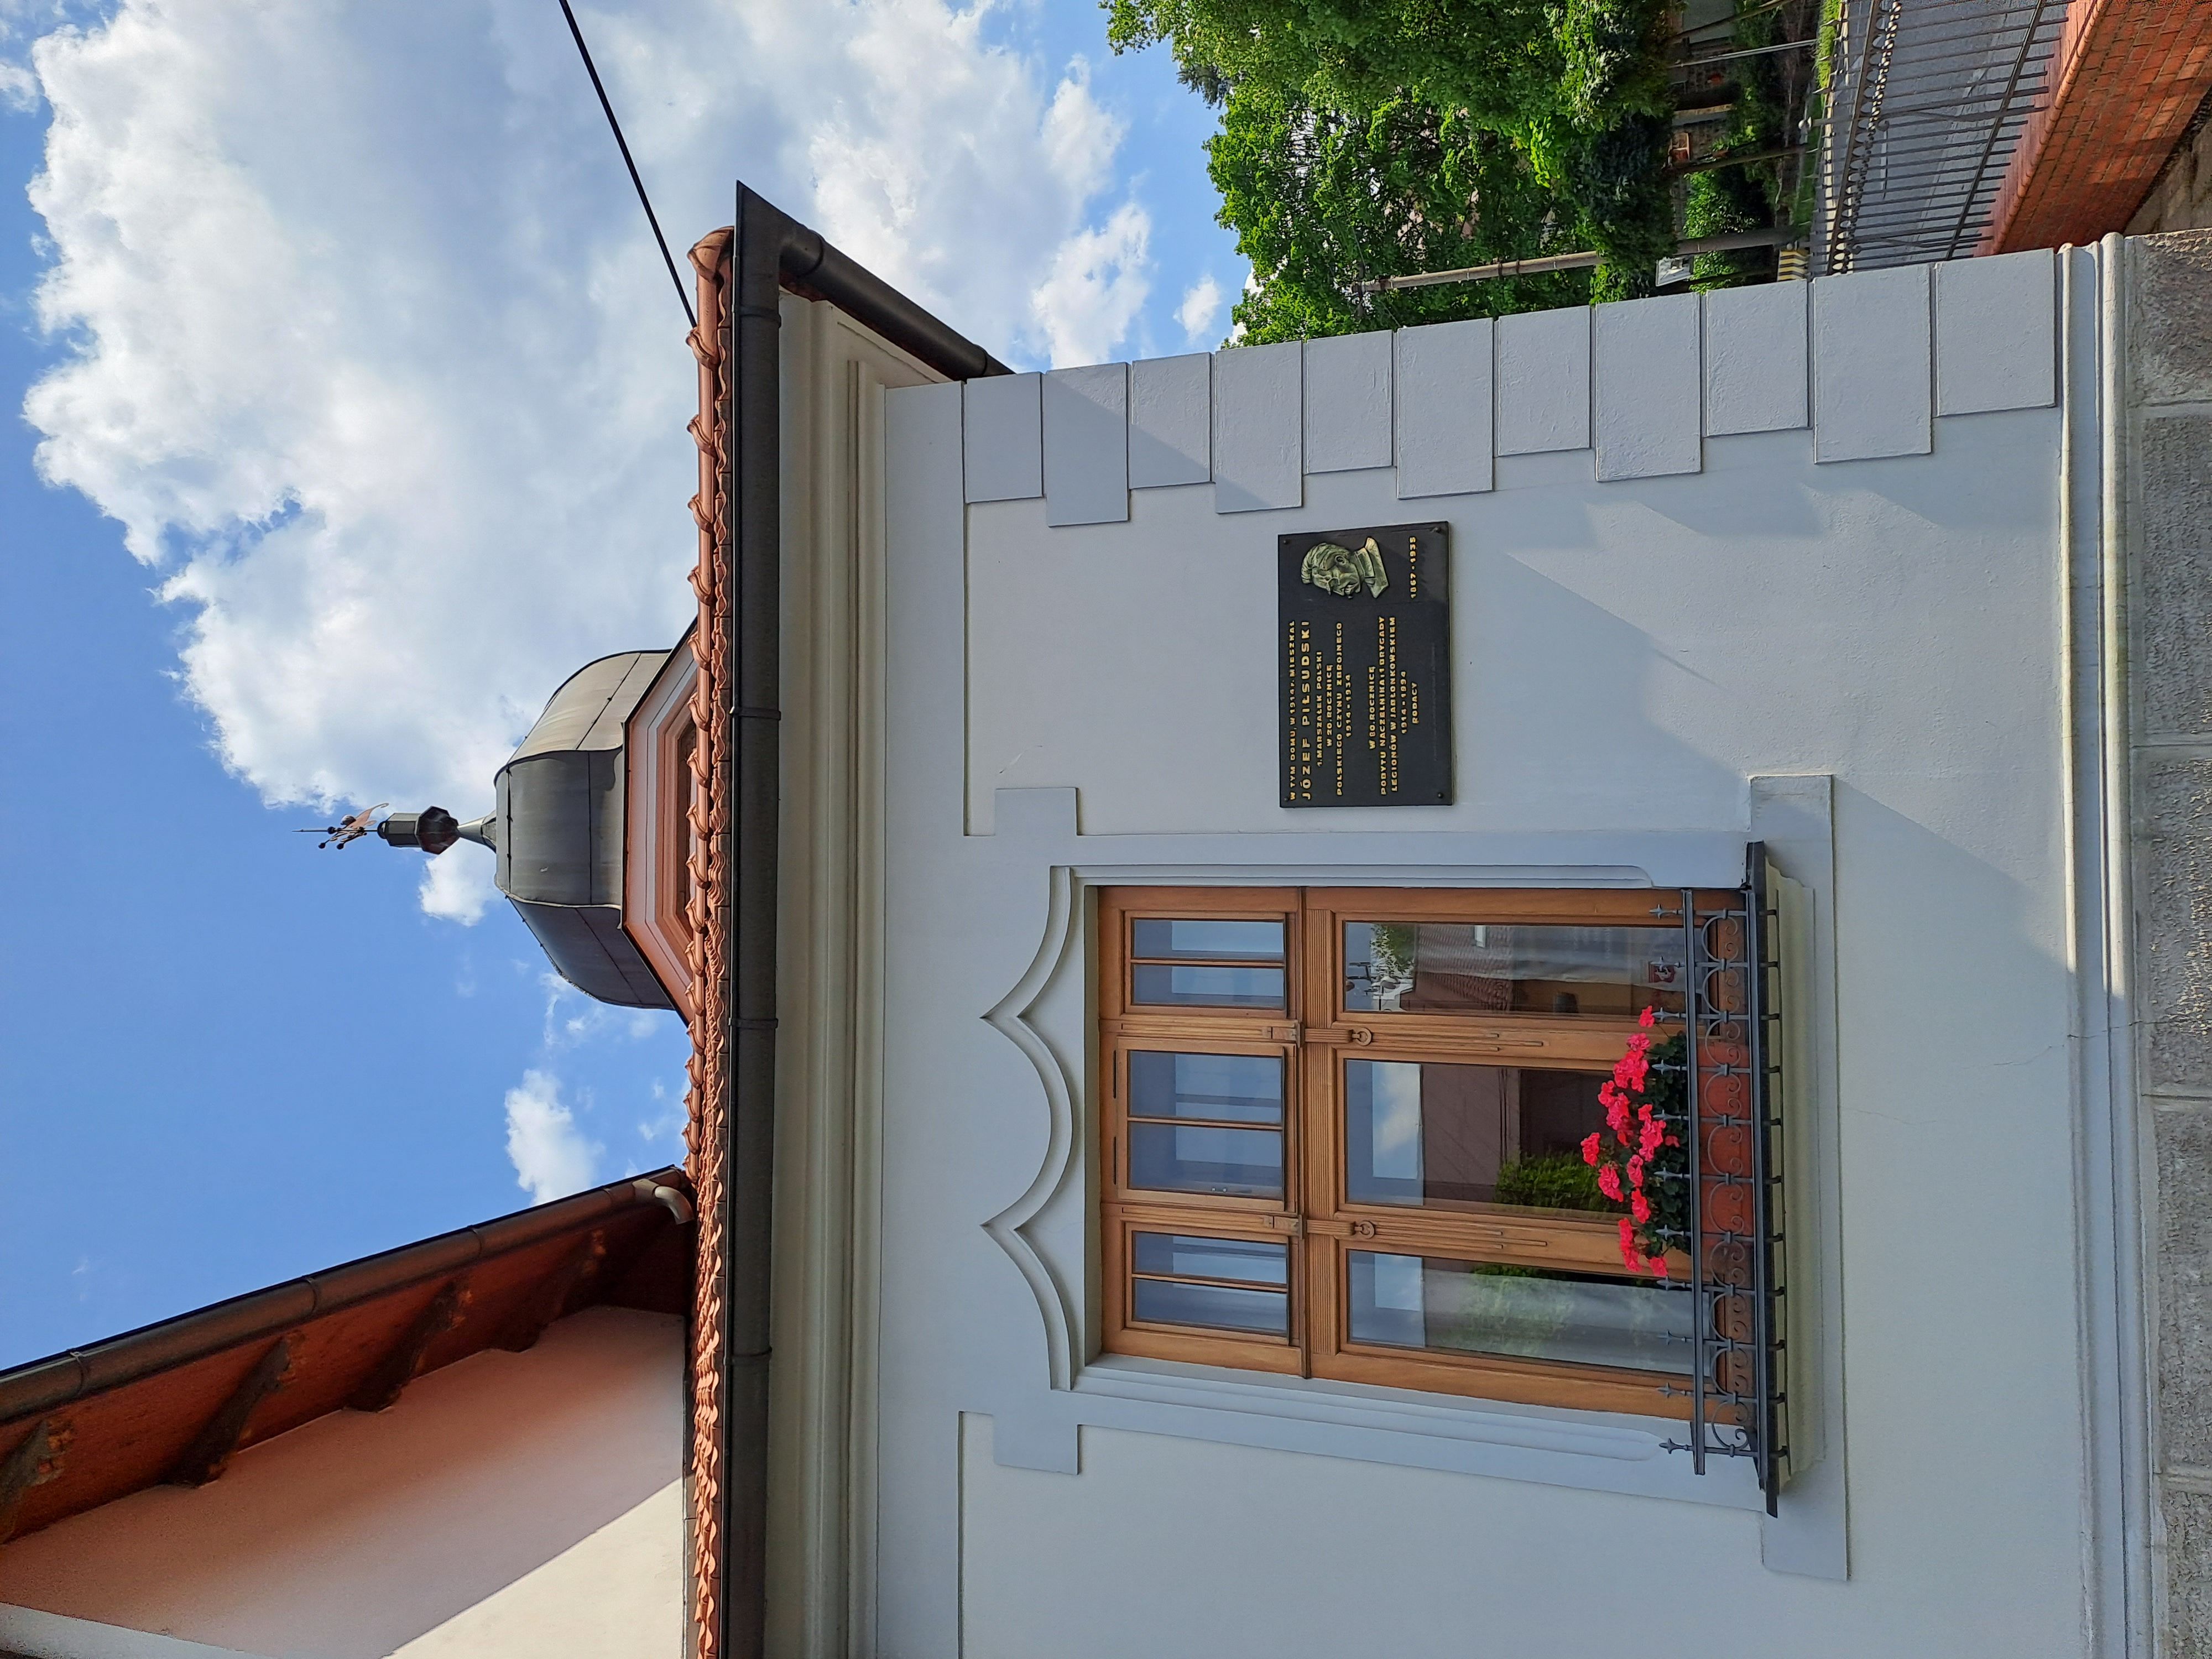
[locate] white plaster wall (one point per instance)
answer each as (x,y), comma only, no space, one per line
(1624,654)
(1418,1565)
(1627,654)
(522,1504)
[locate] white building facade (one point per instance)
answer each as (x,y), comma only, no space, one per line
(1887,581)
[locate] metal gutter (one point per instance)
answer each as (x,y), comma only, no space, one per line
(770,252)
(43,1384)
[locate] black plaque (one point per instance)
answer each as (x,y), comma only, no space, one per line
(1363,620)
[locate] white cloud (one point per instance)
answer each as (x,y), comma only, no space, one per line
(457,885)
(1096,286)
(551,1158)
(663,1129)
(372,357)
(1201,304)
(19,21)
(573,1019)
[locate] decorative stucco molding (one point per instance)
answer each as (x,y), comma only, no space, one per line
(1010,1017)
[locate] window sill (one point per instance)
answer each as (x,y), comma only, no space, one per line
(1550,1445)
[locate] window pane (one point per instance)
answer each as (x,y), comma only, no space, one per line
(1180,1157)
(1471,1307)
(1481,968)
(1208,941)
(1236,1088)
(1254,1260)
(1207,988)
(1164,1302)
(1424,1133)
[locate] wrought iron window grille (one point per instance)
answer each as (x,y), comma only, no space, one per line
(1732,1126)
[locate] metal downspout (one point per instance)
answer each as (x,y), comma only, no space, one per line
(769,253)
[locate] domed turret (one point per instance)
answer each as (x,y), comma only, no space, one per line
(558,831)
(561,834)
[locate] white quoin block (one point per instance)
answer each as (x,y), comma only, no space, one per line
(1543,381)
(1872,390)
(1996,334)
(1086,449)
(1002,438)
(1171,421)
(1347,402)
(1258,424)
(1441,402)
(1644,387)
(1755,362)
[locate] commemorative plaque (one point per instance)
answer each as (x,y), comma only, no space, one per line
(1363,622)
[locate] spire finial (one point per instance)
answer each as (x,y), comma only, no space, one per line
(433,830)
(347,830)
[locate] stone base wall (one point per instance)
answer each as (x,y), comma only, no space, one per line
(2168,518)
(2182,198)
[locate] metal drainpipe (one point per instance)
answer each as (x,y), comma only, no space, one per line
(769,253)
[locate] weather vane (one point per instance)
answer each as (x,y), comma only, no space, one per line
(433,830)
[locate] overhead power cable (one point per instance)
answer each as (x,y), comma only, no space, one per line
(643,200)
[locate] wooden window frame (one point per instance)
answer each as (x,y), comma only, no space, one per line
(659,790)
(1316,1037)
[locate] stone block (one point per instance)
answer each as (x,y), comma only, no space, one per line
(2173,920)
(1003,437)
(1347,403)
(1543,381)
(1441,405)
(1087,444)
(1171,421)
(1259,458)
(2183,1143)
(1756,372)
(1646,396)
(1873,370)
(1997,338)
(2188,1611)
(2169,586)
(2170,317)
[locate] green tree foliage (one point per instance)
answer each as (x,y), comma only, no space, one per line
(1319,199)
(1723,199)
(1556,1181)
(1371,137)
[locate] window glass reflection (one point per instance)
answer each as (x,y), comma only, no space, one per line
(1224,1088)
(1181,1157)
(1478,968)
(1207,940)
(1161,1300)
(1167,1302)
(1425,1133)
(1471,1307)
(1162,984)
(1254,1260)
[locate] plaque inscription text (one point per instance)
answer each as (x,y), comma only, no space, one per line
(1364,622)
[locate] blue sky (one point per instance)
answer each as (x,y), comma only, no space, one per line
(350,399)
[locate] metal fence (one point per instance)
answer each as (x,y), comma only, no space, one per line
(1926,101)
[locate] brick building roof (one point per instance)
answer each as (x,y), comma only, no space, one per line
(2128,76)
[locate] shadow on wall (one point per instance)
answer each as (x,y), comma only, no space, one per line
(1556,709)
(1955,1098)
